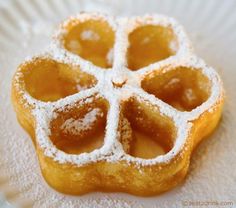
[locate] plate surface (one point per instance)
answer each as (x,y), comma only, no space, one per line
(25,30)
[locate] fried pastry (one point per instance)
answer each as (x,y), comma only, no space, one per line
(117,104)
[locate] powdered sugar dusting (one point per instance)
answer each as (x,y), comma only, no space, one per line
(75,127)
(209,159)
(131,82)
(89,35)
(75,46)
(110,56)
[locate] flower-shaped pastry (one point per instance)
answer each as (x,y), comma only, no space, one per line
(117,104)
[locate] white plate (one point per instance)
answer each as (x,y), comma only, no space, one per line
(25,29)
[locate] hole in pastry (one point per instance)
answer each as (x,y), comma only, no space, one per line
(48,80)
(92,40)
(80,128)
(149,44)
(183,88)
(147,133)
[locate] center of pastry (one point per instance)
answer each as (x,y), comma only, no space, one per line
(119,81)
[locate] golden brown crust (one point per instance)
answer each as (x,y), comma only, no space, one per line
(119,175)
